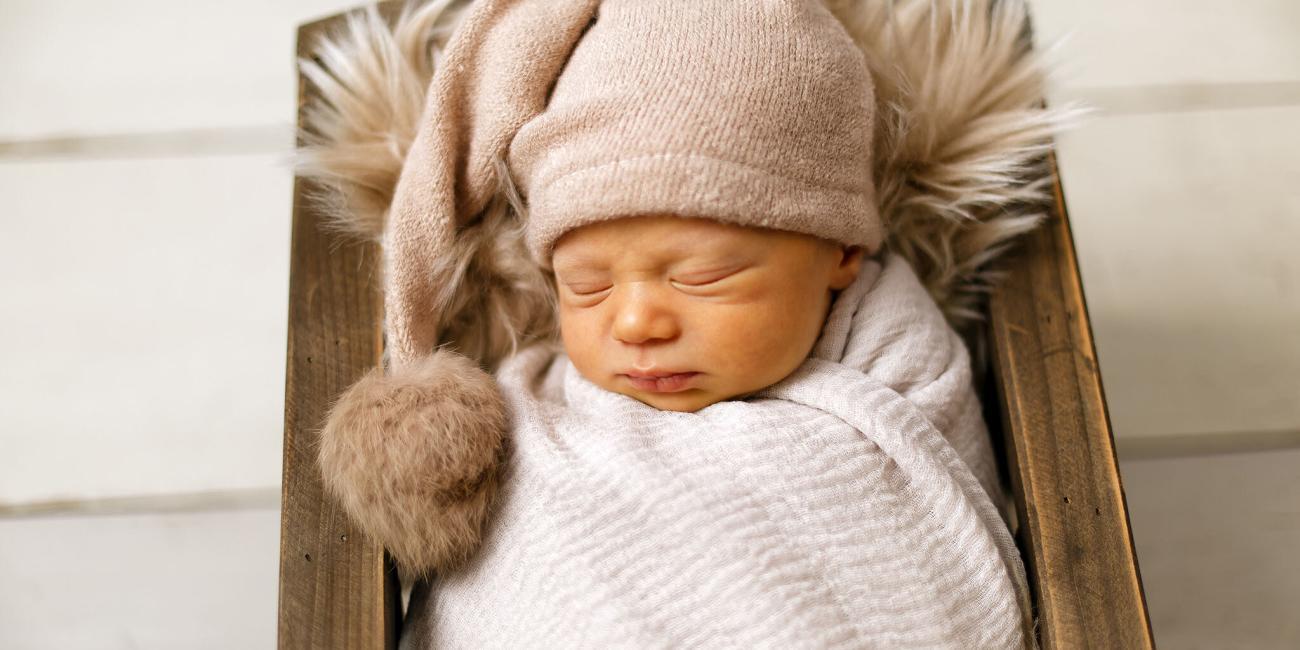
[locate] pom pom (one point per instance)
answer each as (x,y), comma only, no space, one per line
(414,458)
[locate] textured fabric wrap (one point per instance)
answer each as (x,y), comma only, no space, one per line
(854,504)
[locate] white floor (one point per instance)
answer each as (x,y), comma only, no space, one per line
(144,226)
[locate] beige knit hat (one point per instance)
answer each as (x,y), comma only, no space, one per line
(754,112)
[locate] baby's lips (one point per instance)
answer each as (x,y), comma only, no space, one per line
(671,383)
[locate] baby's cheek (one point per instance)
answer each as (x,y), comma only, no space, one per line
(753,343)
(581,341)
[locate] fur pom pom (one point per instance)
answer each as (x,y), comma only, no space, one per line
(414,458)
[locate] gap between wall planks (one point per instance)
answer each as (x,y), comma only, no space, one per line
(337,588)
(1074,534)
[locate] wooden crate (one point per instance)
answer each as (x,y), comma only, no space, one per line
(338,590)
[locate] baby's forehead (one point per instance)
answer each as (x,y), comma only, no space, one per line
(664,238)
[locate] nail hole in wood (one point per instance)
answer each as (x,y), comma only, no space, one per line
(308,556)
(1067,499)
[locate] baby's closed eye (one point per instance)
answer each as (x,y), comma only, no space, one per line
(708,277)
(584,281)
(588,290)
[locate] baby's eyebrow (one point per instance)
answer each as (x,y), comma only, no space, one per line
(579,262)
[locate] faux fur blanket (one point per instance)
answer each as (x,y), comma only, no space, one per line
(853,504)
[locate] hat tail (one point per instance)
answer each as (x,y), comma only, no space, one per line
(497,73)
(413,455)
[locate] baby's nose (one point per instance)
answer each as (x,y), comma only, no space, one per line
(642,318)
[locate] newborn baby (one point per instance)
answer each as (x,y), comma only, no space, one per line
(814,472)
(683,313)
(756,429)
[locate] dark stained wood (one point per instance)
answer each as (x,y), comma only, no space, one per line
(1074,530)
(337,589)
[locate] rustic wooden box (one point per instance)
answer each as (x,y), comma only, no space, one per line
(1045,404)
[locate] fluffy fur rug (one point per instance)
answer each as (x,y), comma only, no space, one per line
(959,169)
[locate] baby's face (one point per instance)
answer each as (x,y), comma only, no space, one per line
(683,313)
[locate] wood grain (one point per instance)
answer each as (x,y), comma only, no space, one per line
(337,589)
(1074,532)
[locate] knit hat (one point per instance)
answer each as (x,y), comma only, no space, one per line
(757,113)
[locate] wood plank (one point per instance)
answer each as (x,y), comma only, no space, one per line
(1237,306)
(200,298)
(1074,530)
(166,580)
(337,589)
(1109,44)
(1217,536)
(158,67)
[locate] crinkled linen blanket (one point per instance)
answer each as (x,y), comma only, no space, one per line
(847,506)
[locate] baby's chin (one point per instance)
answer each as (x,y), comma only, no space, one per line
(686,401)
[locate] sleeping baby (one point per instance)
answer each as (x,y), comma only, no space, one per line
(755,427)
(684,313)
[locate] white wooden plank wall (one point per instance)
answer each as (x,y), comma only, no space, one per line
(144,241)
(144,225)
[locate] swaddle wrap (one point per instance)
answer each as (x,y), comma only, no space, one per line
(850,505)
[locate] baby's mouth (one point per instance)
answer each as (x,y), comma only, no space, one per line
(661,383)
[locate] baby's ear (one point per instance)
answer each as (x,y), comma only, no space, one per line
(847,267)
